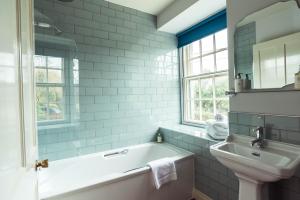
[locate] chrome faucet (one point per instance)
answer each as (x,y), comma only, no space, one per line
(259,137)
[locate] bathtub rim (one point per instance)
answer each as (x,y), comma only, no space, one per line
(102,153)
(182,156)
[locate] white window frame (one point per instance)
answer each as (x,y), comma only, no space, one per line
(49,85)
(184,53)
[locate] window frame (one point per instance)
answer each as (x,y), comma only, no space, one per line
(63,85)
(185,61)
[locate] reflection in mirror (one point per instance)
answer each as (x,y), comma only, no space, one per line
(267,46)
(56,74)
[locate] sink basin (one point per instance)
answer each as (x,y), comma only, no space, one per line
(254,166)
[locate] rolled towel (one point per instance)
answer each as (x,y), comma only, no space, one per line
(217,129)
(163,171)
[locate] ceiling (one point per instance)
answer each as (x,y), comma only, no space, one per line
(153,7)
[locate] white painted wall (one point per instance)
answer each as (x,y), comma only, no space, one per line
(172,11)
(152,7)
(182,15)
(285,103)
(278,24)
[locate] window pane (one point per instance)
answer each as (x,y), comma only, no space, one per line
(75,77)
(40,75)
(41,103)
(76,101)
(207,110)
(194,67)
(55,111)
(206,88)
(221,86)
(75,64)
(221,39)
(41,95)
(207,44)
(222,107)
(54,76)
(194,49)
(195,110)
(194,89)
(208,64)
(41,110)
(55,94)
(55,62)
(39,61)
(222,60)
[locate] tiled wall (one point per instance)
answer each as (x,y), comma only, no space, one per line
(211,177)
(245,38)
(128,75)
(279,128)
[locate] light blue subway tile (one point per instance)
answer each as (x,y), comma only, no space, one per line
(251,119)
(283,122)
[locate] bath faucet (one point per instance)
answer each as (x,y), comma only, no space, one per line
(259,137)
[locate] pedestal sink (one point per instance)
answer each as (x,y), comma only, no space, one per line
(254,166)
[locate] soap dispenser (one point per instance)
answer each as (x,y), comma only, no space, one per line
(297,80)
(247,82)
(238,83)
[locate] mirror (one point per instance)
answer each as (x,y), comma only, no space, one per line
(56,65)
(267,46)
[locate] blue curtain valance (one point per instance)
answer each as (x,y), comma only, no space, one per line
(207,27)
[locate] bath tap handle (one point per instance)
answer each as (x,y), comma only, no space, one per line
(125,151)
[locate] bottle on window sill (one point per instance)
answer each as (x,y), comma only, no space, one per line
(159,138)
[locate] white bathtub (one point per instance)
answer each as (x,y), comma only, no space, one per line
(124,176)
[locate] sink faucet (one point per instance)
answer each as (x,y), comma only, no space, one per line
(259,137)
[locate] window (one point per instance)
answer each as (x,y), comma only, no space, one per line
(50,84)
(205,78)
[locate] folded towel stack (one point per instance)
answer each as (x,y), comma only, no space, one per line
(163,171)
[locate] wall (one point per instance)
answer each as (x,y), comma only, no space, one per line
(211,177)
(128,78)
(279,128)
(172,11)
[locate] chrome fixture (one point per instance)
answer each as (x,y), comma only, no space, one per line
(259,141)
(43,21)
(66,0)
(46,25)
(123,152)
(230,93)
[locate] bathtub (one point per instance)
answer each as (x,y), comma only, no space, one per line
(119,174)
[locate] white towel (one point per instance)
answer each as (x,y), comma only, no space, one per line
(163,171)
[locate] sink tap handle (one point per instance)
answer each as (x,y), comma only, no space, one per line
(259,132)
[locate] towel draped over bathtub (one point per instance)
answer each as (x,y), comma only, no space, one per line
(163,171)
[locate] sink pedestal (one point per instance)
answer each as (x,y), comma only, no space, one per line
(249,189)
(254,167)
